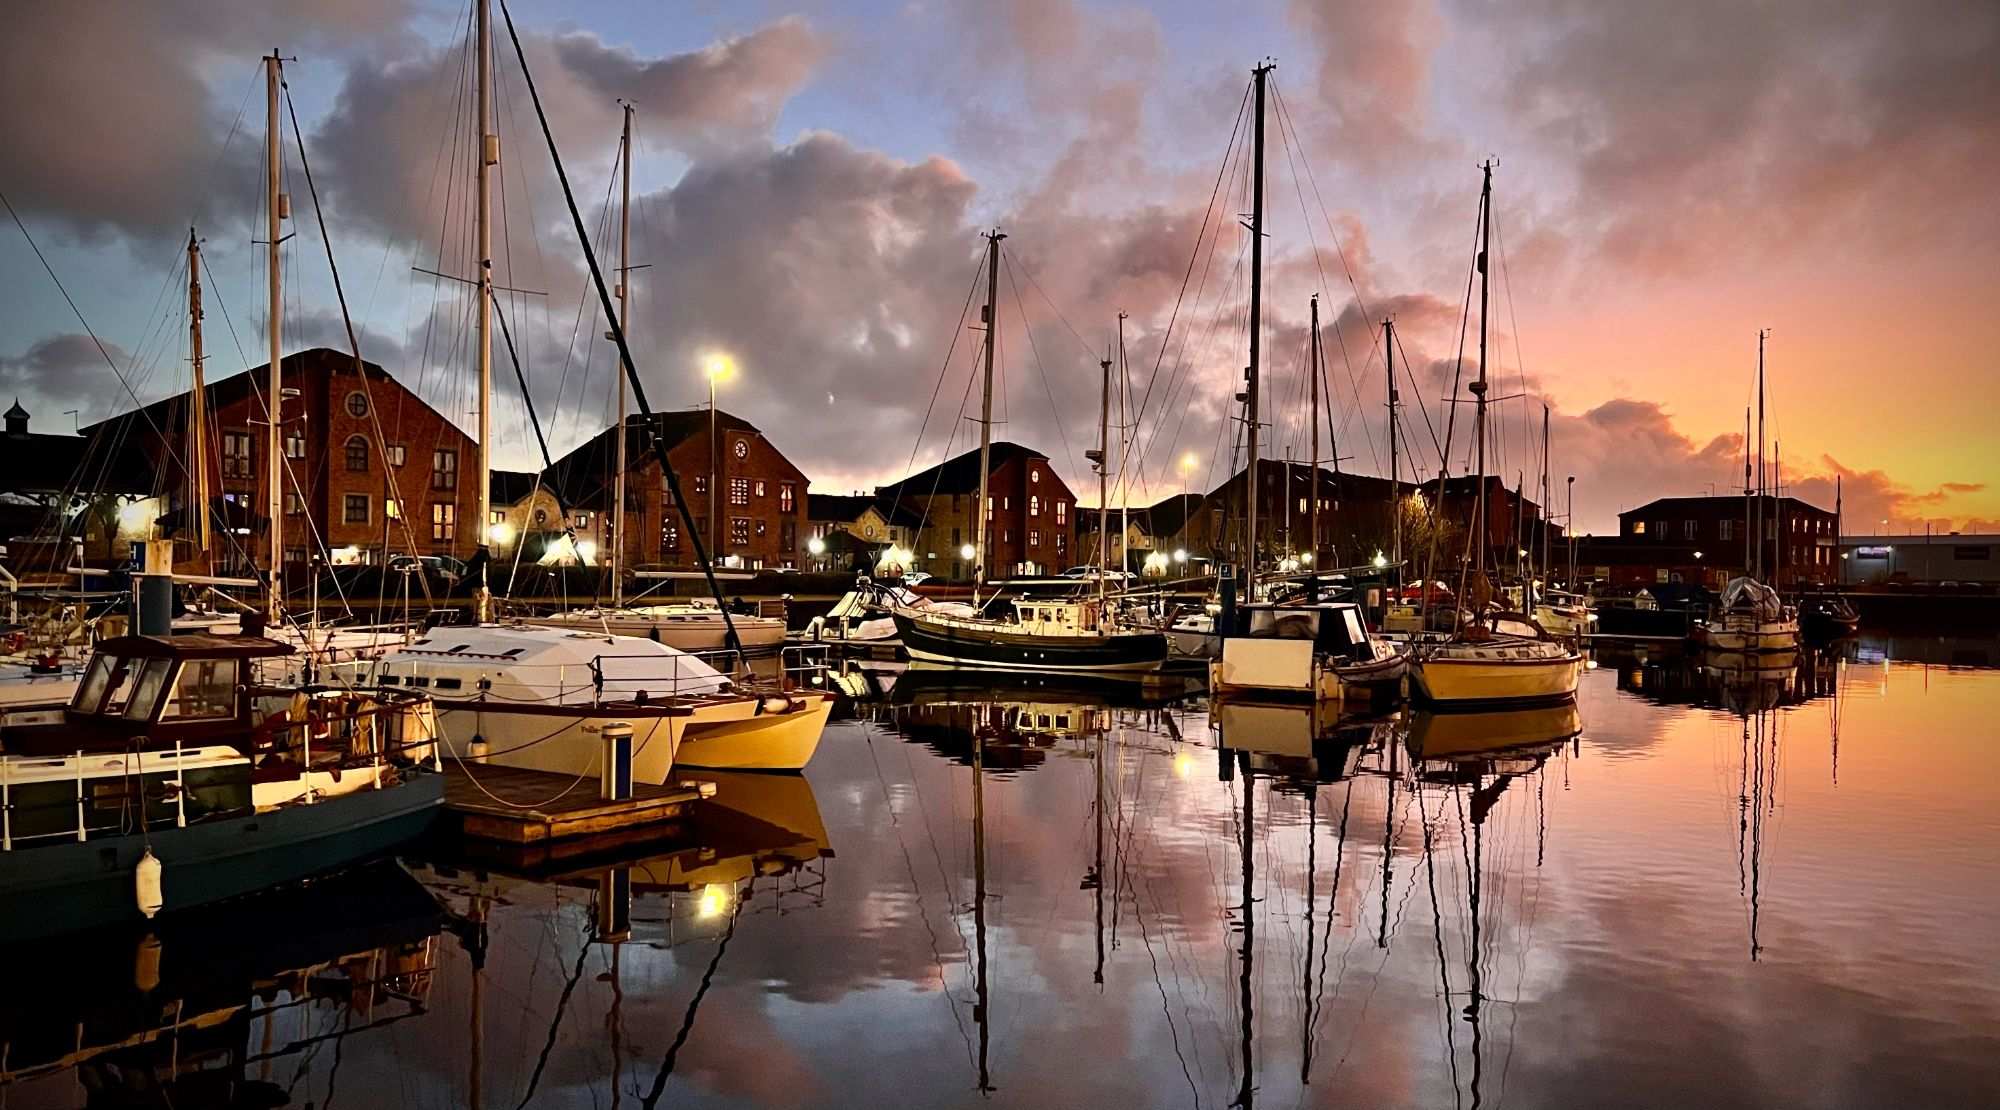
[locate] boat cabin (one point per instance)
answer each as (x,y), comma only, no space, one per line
(1056,618)
(1335,628)
(172,689)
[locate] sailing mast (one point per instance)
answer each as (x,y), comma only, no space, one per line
(1124,451)
(624,325)
(197,424)
(1260,76)
(992,318)
(489,156)
(1545,511)
(1479,387)
(1749,506)
(1759,572)
(274,442)
(1103,496)
(1312,514)
(1395,479)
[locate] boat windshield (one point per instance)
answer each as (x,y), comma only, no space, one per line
(1284,624)
(107,674)
(146,689)
(205,690)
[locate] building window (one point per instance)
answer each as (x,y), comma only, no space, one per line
(495,516)
(583,520)
(237,455)
(739,531)
(1006,503)
(357,405)
(1035,538)
(354,509)
(1660,529)
(295,505)
(1034,475)
(670,536)
(295,445)
(955,541)
(1690,529)
(1062,513)
(989,508)
(1725,529)
(444,468)
(295,554)
(760,488)
(1034,506)
(541,517)
(357,453)
(1006,535)
(1062,544)
(397,454)
(787,497)
(444,521)
(739,491)
(701,483)
(788,534)
(762,528)
(868,531)
(392,508)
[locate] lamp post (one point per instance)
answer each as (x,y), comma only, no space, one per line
(719,367)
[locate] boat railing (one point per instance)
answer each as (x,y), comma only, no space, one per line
(337,729)
(79,795)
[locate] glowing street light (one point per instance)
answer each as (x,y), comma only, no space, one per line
(1381,560)
(815,547)
(1180,555)
(500,534)
(967,552)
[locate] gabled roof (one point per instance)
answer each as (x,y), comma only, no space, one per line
(511,487)
(959,474)
(846,508)
(583,478)
(1164,518)
(95,462)
(1725,503)
(170,413)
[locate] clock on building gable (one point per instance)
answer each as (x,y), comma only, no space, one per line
(742,448)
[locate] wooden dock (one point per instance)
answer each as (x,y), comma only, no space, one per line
(516,806)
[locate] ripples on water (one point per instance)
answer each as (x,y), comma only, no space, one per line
(1687,890)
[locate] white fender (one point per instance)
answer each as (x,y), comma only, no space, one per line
(146,876)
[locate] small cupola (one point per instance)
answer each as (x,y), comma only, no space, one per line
(17,419)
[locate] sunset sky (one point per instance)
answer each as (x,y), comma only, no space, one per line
(813,179)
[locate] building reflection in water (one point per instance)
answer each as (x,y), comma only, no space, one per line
(222,1006)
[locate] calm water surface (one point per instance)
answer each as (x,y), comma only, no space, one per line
(1687,891)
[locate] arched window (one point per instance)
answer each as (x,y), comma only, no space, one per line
(357,453)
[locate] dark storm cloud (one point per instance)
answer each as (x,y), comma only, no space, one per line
(117,111)
(64,369)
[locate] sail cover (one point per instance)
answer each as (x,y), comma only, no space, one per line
(1750,595)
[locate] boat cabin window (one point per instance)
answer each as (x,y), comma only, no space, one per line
(1281,624)
(147,688)
(107,674)
(1515,628)
(206,690)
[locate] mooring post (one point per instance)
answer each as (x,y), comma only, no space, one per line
(615,780)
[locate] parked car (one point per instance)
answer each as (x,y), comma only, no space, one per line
(446,567)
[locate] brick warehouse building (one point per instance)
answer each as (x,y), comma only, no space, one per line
(1801,541)
(337,473)
(1031,513)
(762,511)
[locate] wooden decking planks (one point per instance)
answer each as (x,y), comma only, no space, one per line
(516,806)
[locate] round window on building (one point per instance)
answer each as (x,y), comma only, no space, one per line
(541,516)
(357,405)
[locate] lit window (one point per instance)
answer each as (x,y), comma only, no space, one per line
(1034,475)
(1034,506)
(1062,513)
(739,491)
(760,488)
(787,497)
(1034,538)
(701,483)
(1638,527)
(295,445)
(739,531)
(444,521)
(670,536)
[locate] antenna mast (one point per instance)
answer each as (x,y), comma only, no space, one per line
(624,325)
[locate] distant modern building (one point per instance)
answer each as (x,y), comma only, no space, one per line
(1942,557)
(1030,513)
(759,499)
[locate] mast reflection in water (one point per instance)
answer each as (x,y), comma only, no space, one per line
(1701,884)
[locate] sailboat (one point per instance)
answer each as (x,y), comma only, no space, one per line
(523,696)
(1045,634)
(1496,658)
(1750,616)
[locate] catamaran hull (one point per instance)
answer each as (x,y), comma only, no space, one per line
(562,740)
(781,740)
(1495,682)
(58,888)
(957,646)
